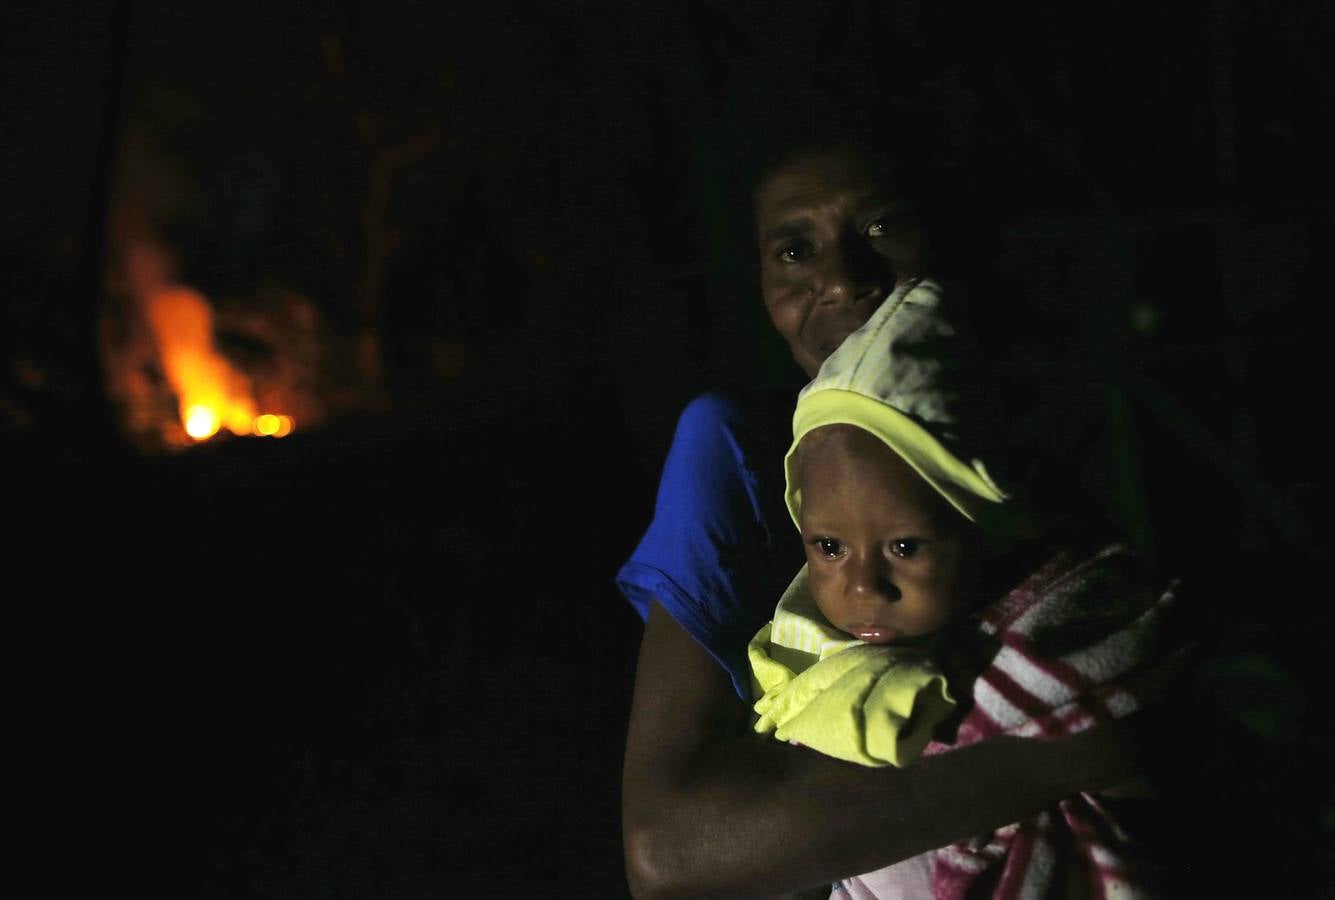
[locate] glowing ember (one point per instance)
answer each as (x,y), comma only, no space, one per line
(201,422)
(270,425)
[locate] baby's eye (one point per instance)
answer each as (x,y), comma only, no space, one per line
(830,548)
(795,252)
(904,548)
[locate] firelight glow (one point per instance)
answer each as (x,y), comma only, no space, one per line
(210,393)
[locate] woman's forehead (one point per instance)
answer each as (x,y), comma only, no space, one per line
(814,179)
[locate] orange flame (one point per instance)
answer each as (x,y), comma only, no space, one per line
(210,393)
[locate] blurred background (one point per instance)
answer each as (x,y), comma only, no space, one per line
(343,344)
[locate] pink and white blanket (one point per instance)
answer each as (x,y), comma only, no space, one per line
(1083,640)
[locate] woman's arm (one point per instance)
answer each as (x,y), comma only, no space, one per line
(709,811)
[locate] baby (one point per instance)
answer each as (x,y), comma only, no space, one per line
(899,521)
(892,523)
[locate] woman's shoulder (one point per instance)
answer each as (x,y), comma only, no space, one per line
(733,408)
(749,426)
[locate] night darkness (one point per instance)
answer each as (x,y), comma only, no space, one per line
(483,253)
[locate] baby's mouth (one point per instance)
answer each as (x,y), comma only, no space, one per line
(874,634)
(887,634)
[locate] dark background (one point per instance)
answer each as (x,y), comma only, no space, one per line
(384,656)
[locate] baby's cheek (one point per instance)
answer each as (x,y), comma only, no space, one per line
(939,606)
(823,594)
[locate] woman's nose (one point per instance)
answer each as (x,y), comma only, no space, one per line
(854,274)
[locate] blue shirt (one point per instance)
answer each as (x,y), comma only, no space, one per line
(721,547)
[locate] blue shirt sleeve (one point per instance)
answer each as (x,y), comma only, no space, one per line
(721,547)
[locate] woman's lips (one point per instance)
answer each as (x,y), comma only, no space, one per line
(832,343)
(832,329)
(874,634)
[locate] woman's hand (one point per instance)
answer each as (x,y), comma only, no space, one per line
(709,811)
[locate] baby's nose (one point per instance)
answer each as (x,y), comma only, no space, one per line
(871,581)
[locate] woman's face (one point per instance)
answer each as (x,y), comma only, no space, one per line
(834,238)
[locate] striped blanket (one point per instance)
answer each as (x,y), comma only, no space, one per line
(1083,640)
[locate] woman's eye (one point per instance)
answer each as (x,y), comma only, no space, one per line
(903,548)
(795,252)
(885,226)
(828,547)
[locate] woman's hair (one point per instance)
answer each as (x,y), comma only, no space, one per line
(819,127)
(919,141)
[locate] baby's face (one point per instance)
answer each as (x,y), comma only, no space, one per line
(889,559)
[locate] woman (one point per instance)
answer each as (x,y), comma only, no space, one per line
(706,810)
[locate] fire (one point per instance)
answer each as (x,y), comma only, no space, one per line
(211,394)
(201,422)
